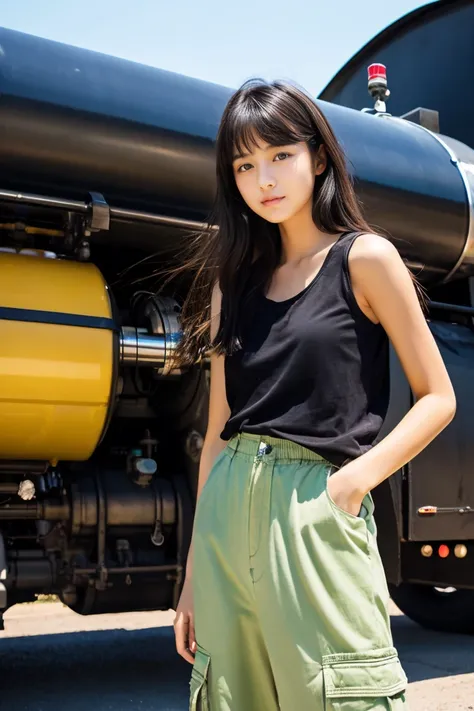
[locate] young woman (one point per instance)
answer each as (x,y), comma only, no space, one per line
(284,605)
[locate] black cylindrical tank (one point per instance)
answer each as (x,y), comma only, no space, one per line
(72,121)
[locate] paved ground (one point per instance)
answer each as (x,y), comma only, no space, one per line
(54,660)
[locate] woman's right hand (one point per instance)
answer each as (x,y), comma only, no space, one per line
(184,623)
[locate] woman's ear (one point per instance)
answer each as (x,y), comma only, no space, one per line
(320,160)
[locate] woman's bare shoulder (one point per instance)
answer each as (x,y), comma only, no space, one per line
(374,257)
(371,247)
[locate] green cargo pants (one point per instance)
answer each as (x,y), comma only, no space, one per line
(290,597)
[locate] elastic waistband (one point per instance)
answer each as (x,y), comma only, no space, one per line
(275,447)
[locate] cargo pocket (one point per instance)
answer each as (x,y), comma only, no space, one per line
(199,693)
(361,681)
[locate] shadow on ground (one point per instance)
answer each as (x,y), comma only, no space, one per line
(111,670)
(431,655)
(117,670)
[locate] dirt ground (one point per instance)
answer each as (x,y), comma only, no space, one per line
(54,660)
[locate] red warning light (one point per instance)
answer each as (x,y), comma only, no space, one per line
(377,86)
(377,71)
(443,551)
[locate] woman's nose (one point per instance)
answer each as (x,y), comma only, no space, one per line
(266,180)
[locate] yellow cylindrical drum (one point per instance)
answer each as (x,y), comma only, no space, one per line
(57,358)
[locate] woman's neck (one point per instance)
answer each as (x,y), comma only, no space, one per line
(301,238)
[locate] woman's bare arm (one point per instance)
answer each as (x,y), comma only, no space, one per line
(379,275)
(218,410)
(213,444)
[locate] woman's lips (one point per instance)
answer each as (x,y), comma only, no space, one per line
(272,201)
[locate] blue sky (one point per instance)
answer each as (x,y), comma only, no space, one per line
(217,40)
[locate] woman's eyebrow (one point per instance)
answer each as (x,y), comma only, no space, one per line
(268,147)
(236,156)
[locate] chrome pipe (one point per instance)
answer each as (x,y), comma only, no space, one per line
(140,348)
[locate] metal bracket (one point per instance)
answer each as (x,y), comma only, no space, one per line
(102,572)
(427,118)
(98,213)
(157,537)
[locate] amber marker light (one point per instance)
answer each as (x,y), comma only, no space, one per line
(427,551)
(460,551)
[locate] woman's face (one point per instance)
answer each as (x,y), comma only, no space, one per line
(277,182)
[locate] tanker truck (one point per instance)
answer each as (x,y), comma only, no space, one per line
(106,168)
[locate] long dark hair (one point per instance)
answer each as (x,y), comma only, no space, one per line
(239,250)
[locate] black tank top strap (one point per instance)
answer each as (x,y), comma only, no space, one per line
(345,246)
(338,255)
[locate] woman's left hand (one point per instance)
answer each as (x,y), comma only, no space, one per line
(346,492)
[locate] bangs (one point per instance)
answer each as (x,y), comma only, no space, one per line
(260,119)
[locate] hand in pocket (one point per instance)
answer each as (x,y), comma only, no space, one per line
(344,492)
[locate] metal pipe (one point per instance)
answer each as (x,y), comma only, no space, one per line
(8,488)
(44,201)
(36,511)
(28,554)
(23,467)
(21,512)
(150,218)
(139,348)
(455,308)
(117,213)
(128,569)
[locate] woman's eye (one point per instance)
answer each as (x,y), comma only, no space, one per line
(241,168)
(285,155)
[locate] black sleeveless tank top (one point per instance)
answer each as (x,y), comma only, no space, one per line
(312,369)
